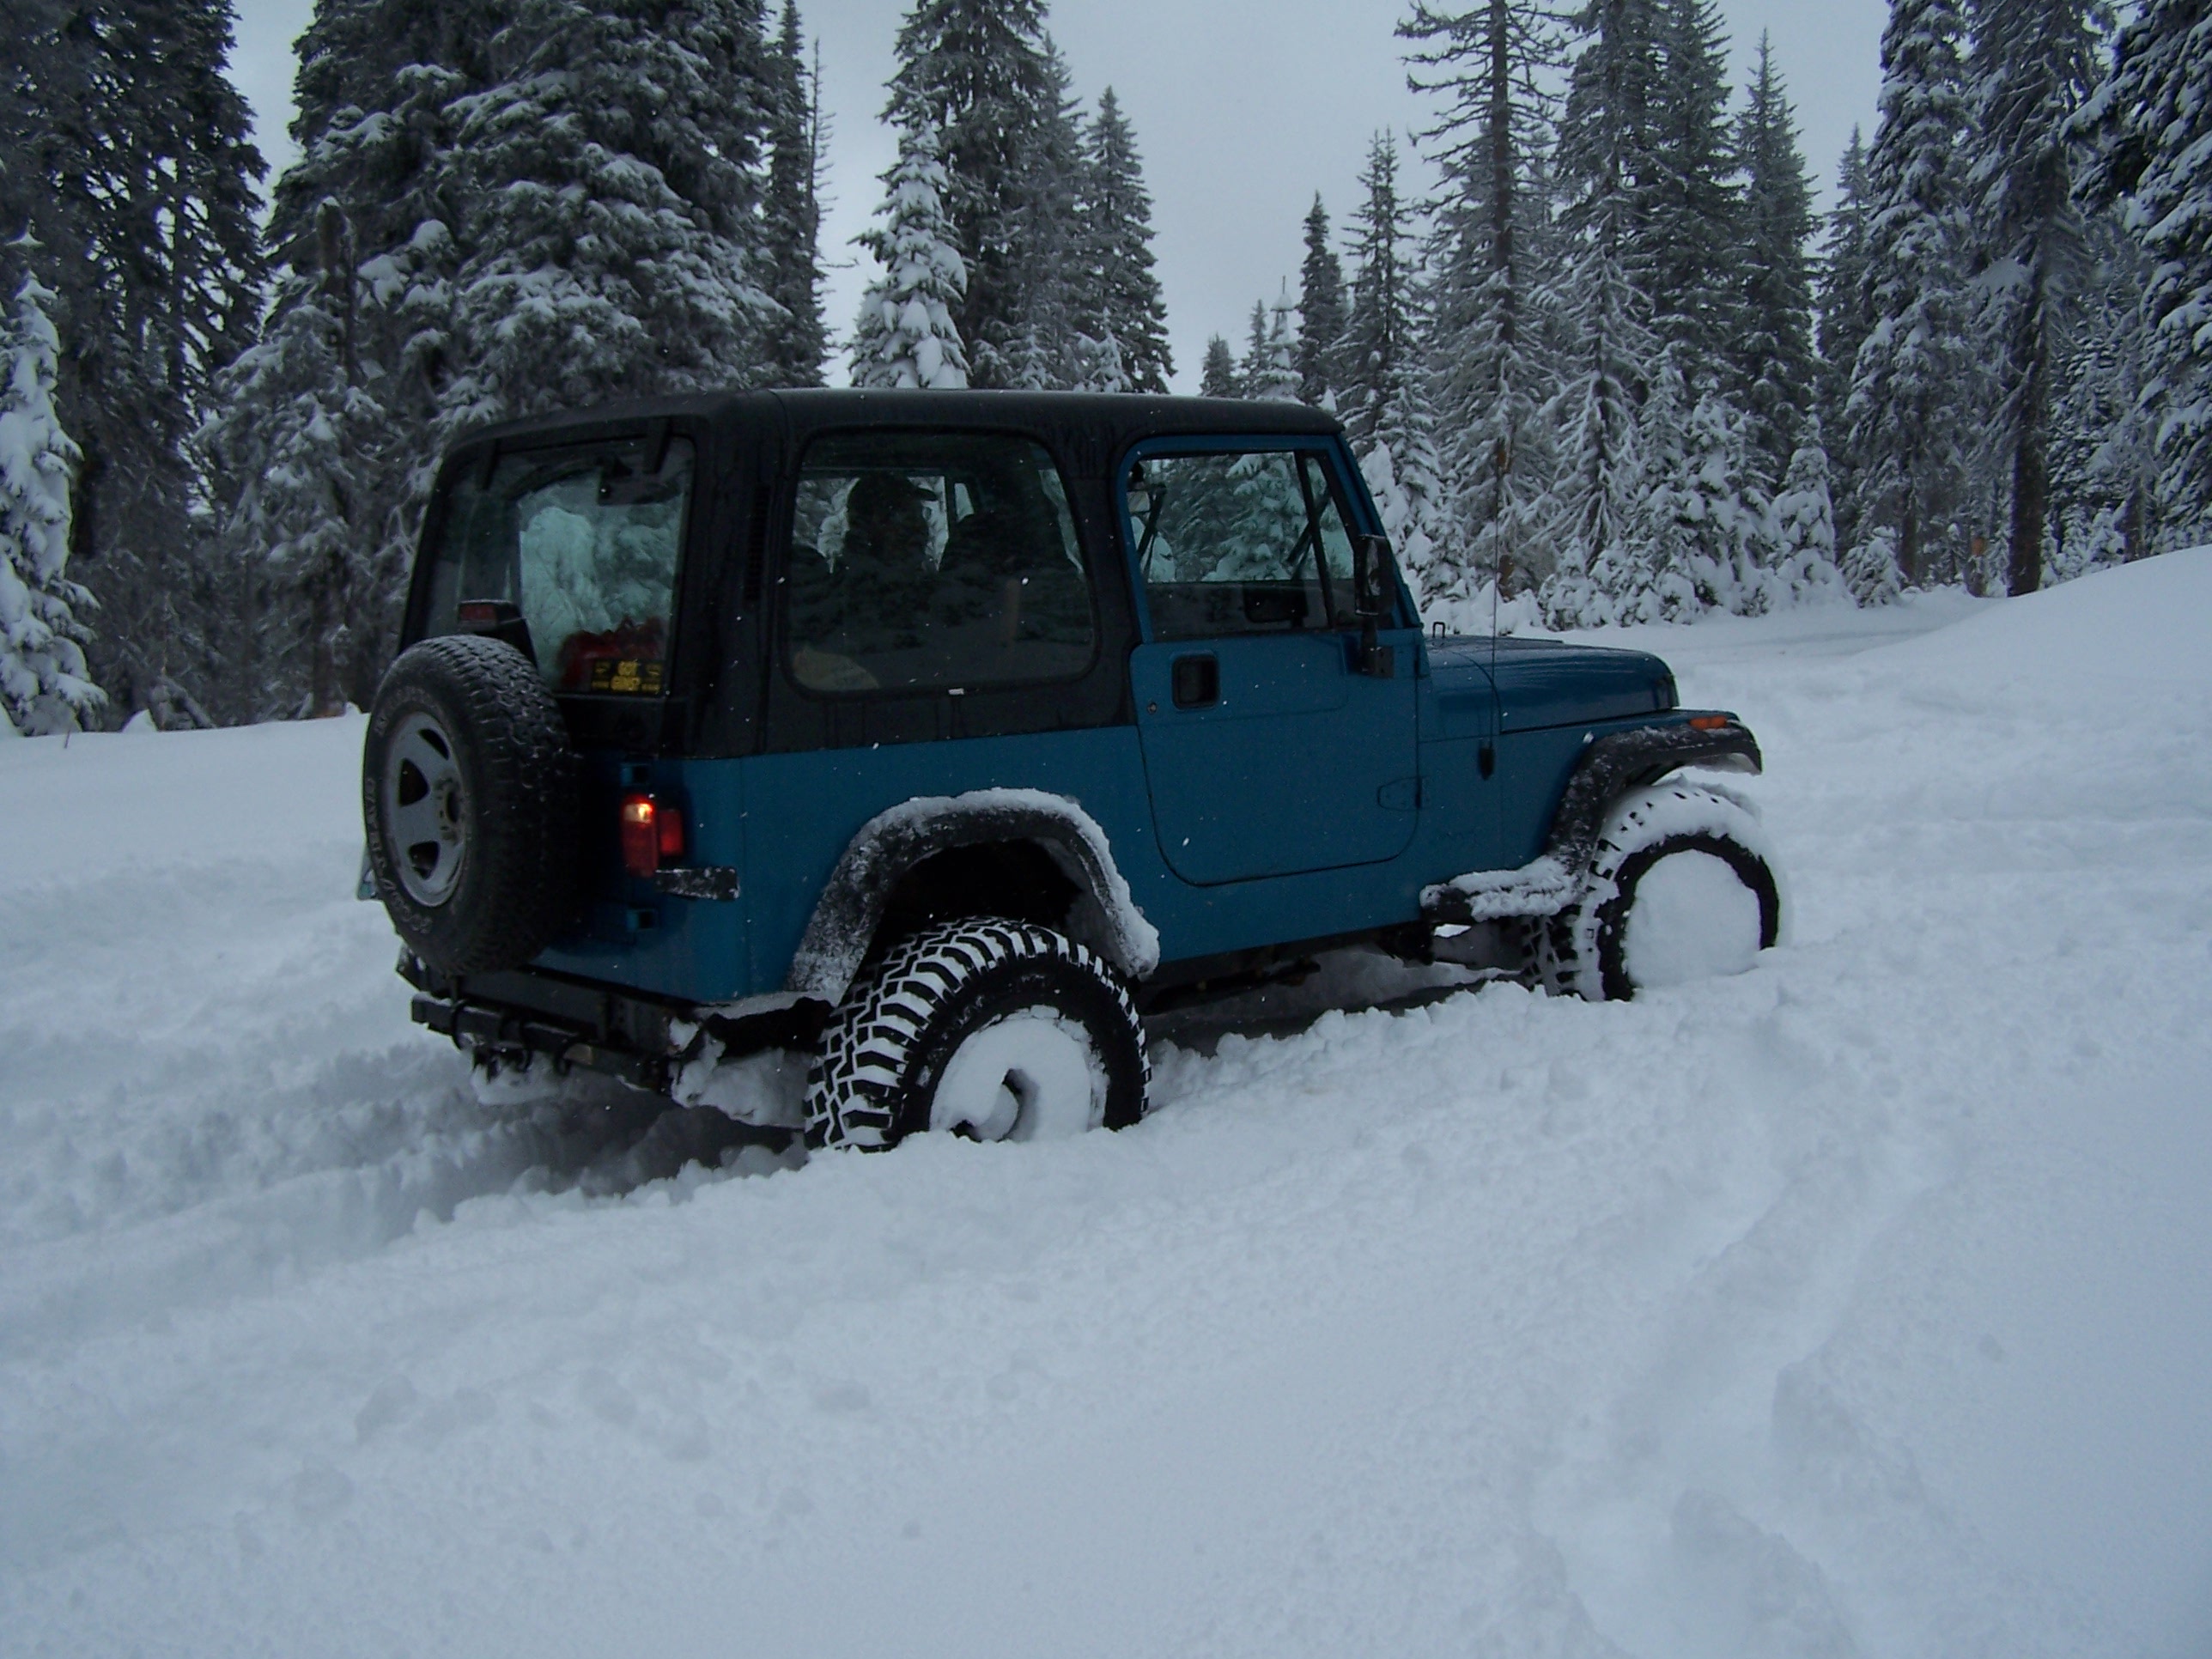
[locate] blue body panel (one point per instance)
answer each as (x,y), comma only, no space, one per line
(1311,801)
(1303,763)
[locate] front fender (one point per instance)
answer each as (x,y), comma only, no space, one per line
(1620,761)
(851,902)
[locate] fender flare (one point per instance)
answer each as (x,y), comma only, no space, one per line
(853,900)
(1612,765)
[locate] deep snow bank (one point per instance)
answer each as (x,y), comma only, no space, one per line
(1847,1307)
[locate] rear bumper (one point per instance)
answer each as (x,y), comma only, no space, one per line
(576,1023)
(596,1027)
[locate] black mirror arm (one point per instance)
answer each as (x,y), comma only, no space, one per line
(1371,556)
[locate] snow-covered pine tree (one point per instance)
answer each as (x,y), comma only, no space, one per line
(43,683)
(611,178)
(1650,572)
(500,205)
(2103,455)
(324,429)
(1219,378)
(315,524)
(908,334)
(2033,63)
(1775,373)
(2151,122)
(791,210)
(980,76)
(1117,217)
(1378,336)
(1058,340)
(1912,392)
(1275,378)
(1691,253)
(1320,314)
(1614,358)
(1843,324)
(1487,376)
(1804,524)
(125,161)
(1252,366)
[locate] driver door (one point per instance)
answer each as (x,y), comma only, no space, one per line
(1273,743)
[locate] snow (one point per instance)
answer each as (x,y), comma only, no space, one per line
(1694,919)
(1850,1305)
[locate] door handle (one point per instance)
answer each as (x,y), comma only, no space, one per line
(1195,681)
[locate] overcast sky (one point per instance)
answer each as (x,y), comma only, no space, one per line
(1242,109)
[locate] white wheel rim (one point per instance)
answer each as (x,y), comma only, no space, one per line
(425,810)
(1692,918)
(1030,1076)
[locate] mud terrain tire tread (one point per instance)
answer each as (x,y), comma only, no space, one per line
(516,890)
(889,1040)
(1581,950)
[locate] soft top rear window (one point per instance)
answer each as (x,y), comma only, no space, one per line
(583,542)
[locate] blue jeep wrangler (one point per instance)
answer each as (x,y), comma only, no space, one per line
(942,737)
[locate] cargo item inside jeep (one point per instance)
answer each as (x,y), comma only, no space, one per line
(942,738)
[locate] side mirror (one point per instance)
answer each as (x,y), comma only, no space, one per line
(1370,578)
(1371,603)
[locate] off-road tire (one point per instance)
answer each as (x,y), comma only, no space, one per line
(1581,950)
(515,889)
(887,1045)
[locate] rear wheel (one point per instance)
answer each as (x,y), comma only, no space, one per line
(469,798)
(1683,888)
(1000,1030)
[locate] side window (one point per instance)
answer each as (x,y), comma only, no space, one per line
(1239,543)
(924,560)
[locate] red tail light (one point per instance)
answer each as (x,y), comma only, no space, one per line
(652,834)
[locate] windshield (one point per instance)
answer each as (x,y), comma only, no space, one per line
(582,543)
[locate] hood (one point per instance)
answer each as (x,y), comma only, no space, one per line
(1544,682)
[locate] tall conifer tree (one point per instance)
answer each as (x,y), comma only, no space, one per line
(2151,120)
(1910,404)
(1379,338)
(1117,214)
(124,161)
(981,75)
(1220,378)
(1614,358)
(908,334)
(791,210)
(2033,63)
(500,207)
(1843,324)
(44,687)
(1775,376)
(1320,314)
(1691,265)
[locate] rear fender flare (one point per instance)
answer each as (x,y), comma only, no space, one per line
(850,906)
(1612,765)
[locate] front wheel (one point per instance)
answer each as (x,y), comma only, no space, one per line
(1683,888)
(1000,1030)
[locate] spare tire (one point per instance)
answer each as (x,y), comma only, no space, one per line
(468,794)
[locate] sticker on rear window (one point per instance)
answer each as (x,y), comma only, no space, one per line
(631,678)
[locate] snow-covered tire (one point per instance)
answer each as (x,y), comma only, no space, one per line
(1683,886)
(999,1030)
(468,790)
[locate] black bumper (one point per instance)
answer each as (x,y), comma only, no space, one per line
(573,1022)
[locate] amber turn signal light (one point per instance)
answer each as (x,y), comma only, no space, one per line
(1708,722)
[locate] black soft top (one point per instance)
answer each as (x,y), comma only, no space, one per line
(1081,424)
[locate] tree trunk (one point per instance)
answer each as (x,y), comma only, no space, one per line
(1908,541)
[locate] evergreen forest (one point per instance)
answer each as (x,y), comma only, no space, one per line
(1609,367)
